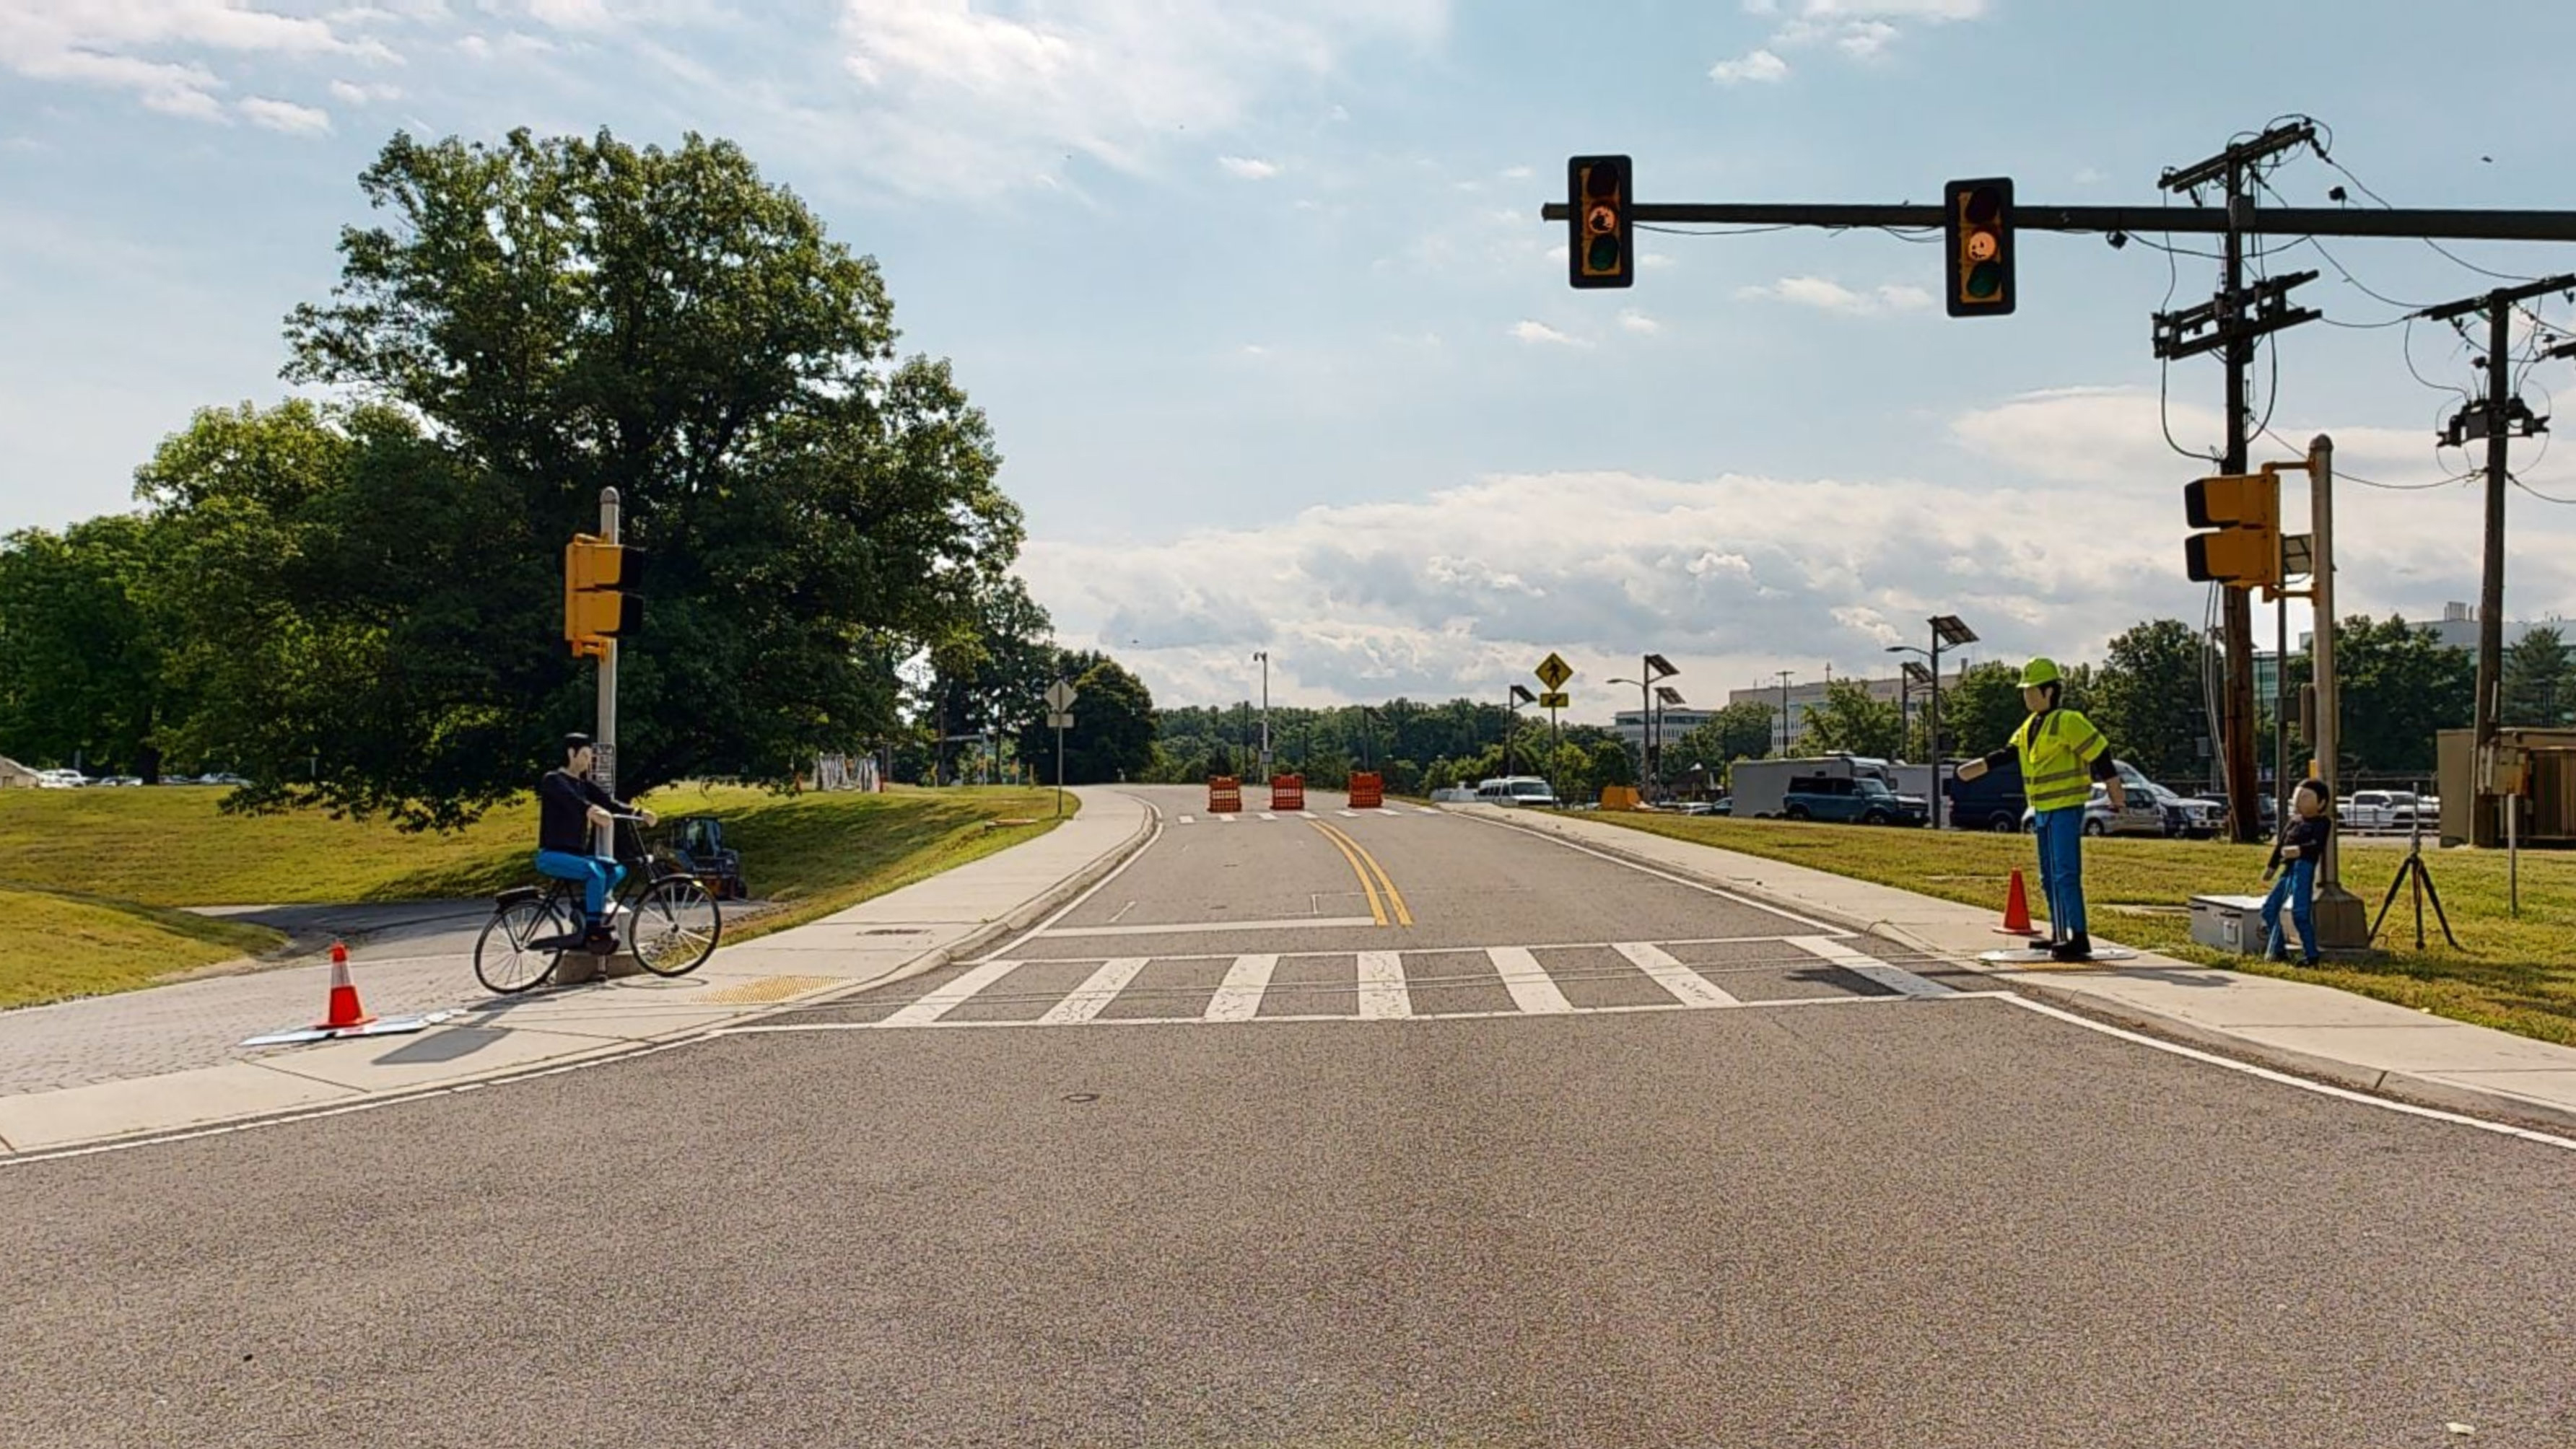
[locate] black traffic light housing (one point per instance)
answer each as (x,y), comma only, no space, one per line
(1600,241)
(1977,229)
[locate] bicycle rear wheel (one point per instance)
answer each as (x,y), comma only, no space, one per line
(674,926)
(521,943)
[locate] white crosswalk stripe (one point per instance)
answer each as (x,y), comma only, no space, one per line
(1390,813)
(1609,978)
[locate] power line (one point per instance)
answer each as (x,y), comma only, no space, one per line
(2536,493)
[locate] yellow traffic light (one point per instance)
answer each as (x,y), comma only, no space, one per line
(2245,509)
(599,602)
(1977,226)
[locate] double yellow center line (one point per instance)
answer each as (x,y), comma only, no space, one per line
(1375,883)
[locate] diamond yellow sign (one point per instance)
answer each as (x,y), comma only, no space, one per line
(1553,671)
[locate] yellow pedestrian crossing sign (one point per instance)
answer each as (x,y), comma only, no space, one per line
(1553,671)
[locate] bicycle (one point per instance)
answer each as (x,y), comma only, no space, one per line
(671,918)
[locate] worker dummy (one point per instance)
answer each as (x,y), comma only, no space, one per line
(2061,756)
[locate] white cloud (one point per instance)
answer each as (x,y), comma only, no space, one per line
(1635,321)
(1759,65)
(570,14)
(161,51)
(1917,9)
(1864,29)
(1517,173)
(287,116)
(1735,575)
(1865,39)
(1831,296)
(1529,331)
(2087,176)
(948,92)
(353,93)
(1248,167)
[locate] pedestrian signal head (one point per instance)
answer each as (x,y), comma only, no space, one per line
(1977,224)
(1600,250)
(2039,672)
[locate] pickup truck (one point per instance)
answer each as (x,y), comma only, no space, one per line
(1864,801)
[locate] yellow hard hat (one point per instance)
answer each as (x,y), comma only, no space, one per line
(2038,672)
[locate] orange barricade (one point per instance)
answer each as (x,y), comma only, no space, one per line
(1225,795)
(1287,792)
(1368,792)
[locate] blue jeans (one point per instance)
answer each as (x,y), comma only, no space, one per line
(2297,885)
(2061,869)
(598,876)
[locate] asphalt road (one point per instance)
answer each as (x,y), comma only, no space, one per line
(1203,1163)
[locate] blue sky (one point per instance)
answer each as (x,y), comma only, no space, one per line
(1279,353)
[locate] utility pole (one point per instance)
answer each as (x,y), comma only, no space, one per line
(2499,419)
(1784,714)
(1264,656)
(603,767)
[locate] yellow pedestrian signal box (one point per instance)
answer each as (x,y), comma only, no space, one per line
(2245,509)
(1977,226)
(1600,251)
(599,599)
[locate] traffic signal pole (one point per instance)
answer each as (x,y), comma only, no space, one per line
(604,736)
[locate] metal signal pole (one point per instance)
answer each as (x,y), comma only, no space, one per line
(603,766)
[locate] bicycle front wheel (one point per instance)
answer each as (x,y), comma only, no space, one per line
(520,944)
(674,926)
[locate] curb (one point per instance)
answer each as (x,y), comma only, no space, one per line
(1018,918)
(2395,1085)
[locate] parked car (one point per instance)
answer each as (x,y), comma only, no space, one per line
(1992,801)
(1864,800)
(2380,810)
(60,779)
(2189,816)
(1522,790)
(2144,815)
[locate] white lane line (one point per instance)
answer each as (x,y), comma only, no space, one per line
(1192,928)
(1225,820)
(1894,978)
(1012,945)
(1425,809)
(1345,1018)
(1266,815)
(1122,913)
(1348,814)
(1185,820)
(1382,993)
(1687,986)
(931,1007)
(1532,989)
(1305,814)
(1238,997)
(1826,928)
(1095,993)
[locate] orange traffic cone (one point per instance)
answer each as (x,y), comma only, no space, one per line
(2016,911)
(345,1012)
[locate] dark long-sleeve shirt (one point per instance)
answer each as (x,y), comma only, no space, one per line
(563,811)
(2308,833)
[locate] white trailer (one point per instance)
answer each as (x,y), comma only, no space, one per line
(1757,786)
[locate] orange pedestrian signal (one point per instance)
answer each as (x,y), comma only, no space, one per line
(2245,509)
(599,599)
(1600,250)
(1977,225)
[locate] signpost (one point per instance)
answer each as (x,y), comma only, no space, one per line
(1553,672)
(1059,701)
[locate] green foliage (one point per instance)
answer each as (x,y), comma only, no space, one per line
(2540,680)
(1113,725)
(2149,699)
(1980,712)
(82,642)
(1851,722)
(2399,686)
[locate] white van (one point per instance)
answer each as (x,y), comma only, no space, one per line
(1527,790)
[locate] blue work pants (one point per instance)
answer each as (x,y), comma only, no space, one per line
(2061,869)
(2298,886)
(598,876)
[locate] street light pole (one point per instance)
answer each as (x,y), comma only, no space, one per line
(1264,656)
(1784,714)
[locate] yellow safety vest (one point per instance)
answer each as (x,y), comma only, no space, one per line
(2057,750)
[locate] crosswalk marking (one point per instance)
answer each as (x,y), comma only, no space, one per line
(1188,820)
(1305,814)
(1348,814)
(1532,989)
(1098,991)
(1238,997)
(1382,992)
(1225,820)
(1686,985)
(1266,815)
(1388,813)
(1894,978)
(936,1004)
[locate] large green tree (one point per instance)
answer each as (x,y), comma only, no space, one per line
(1850,721)
(2148,698)
(2540,679)
(1743,730)
(537,320)
(1113,725)
(2400,686)
(1980,712)
(83,643)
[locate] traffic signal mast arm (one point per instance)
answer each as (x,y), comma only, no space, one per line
(2446,225)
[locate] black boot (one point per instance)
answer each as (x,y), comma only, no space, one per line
(2078,947)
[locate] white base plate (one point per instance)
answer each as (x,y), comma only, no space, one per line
(2038,956)
(390,1026)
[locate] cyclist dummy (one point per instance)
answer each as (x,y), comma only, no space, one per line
(569,803)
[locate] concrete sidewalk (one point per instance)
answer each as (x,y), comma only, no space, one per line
(2295,1026)
(166,1059)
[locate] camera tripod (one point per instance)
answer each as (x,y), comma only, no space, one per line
(2413,869)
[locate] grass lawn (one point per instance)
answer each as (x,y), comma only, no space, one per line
(2518,974)
(54,945)
(87,855)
